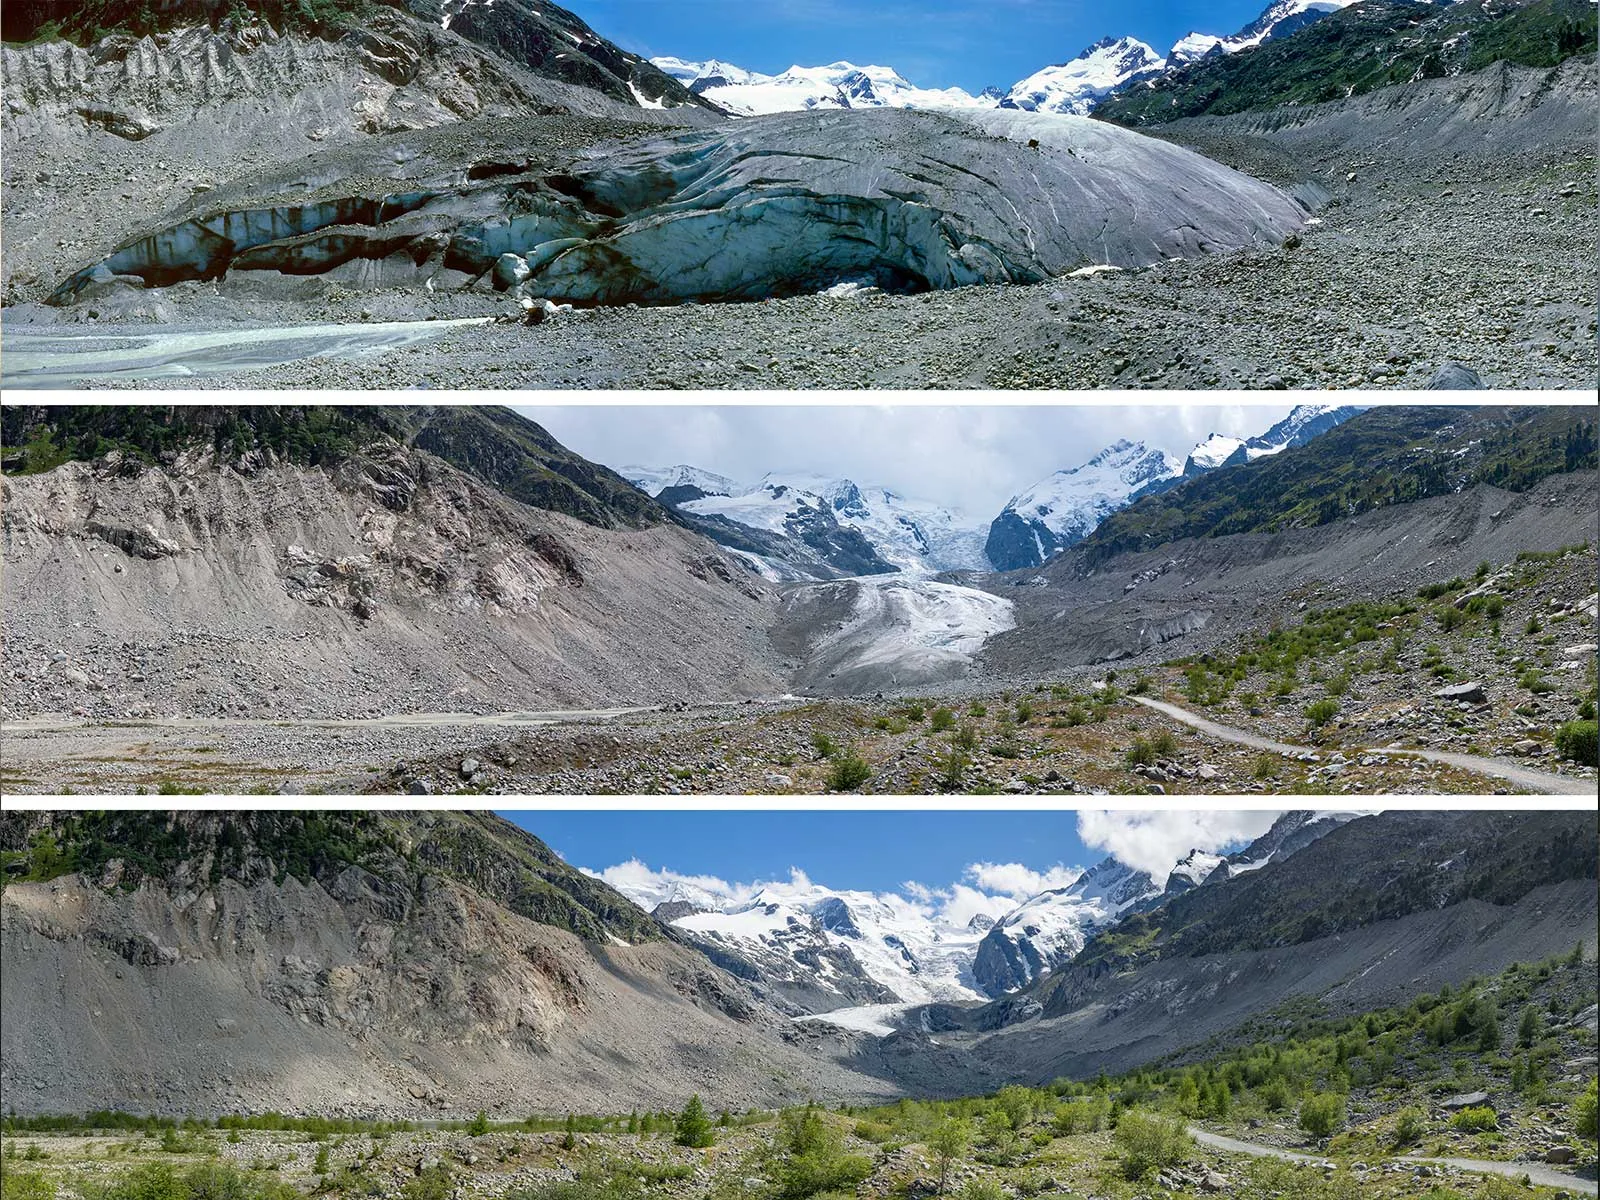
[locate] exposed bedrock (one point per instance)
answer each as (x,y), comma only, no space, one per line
(765,207)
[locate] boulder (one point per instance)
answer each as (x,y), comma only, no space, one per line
(1471,692)
(1455,377)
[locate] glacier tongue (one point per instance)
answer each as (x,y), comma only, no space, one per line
(862,635)
(787,204)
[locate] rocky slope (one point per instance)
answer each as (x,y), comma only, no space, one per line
(103,138)
(1356,50)
(236,579)
(356,964)
(1469,894)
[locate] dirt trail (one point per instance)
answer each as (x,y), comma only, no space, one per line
(1538,1173)
(1541,781)
(421,720)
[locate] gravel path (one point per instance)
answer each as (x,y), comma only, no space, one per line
(1541,781)
(1540,1174)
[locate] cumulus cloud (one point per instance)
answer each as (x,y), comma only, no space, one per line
(1154,841)
(989,889)
(1018,881)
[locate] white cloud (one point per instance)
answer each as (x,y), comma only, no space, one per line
(1018,881)
(992,889)
(962,903)
(1154,841)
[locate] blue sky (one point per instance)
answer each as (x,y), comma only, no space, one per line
(970,44)
(999,851)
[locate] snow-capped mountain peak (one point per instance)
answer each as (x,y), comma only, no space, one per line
(1075,87)
(1064,508)
(914,537)
(1193,870)
(655,480)
(1212,453)
(1279,18)
(1054,926)
(836,85)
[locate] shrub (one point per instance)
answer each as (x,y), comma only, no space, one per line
(949,1142)
(811,1158)
(1578,740)
(1534,681)
(1164,744)
(1274,1094)
(1475,1120)
(1264,767)
(26,1185)
(1529,1027)
(1321,1114)
(823,744)
(942,719)
(849,772)
(952,769)
(1319,712)
(1450,617)
(966,737)
(479,1125)
(693,1127)
(1141,753)
(1024,712)
(1148,1142)
(977,709)
(1584,1113)
(982,1189)
(1409,1125)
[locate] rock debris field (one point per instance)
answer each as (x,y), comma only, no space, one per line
(1433,240)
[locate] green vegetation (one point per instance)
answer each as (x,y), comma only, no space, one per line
(1319,712)
(694,1127)
(1354,51)
(1475,1120)
(1149,1142)
(496,859)
(848,771)
(1384,456)
(1580,741)
(494,444)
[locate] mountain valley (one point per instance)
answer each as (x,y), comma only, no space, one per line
(1268,246)
(436,965)
(446,599)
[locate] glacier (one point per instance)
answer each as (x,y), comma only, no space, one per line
(911,199)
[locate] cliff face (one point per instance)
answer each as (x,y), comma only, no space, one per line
(197,972)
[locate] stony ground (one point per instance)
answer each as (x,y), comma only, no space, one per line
(1482,252)
(1533,667)
(510,1161)
(754,749)
(1372,297)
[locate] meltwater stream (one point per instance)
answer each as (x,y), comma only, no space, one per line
(57,358)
